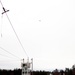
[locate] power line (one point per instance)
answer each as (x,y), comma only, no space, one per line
(1,3)
(5,56)
(9,53)
(16,35)
(8,60)
(1,24)
(13,28)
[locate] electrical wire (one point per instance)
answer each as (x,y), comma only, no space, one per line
(16,35)
(9,53)
(13,29)
(1,24)
(5,56)
(1,3)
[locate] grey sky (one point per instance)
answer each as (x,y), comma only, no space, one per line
(50,41)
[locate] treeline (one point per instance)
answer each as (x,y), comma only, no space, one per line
(18,72)
(10,72)
(67,71)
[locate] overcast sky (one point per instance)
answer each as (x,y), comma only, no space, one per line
(46,29)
